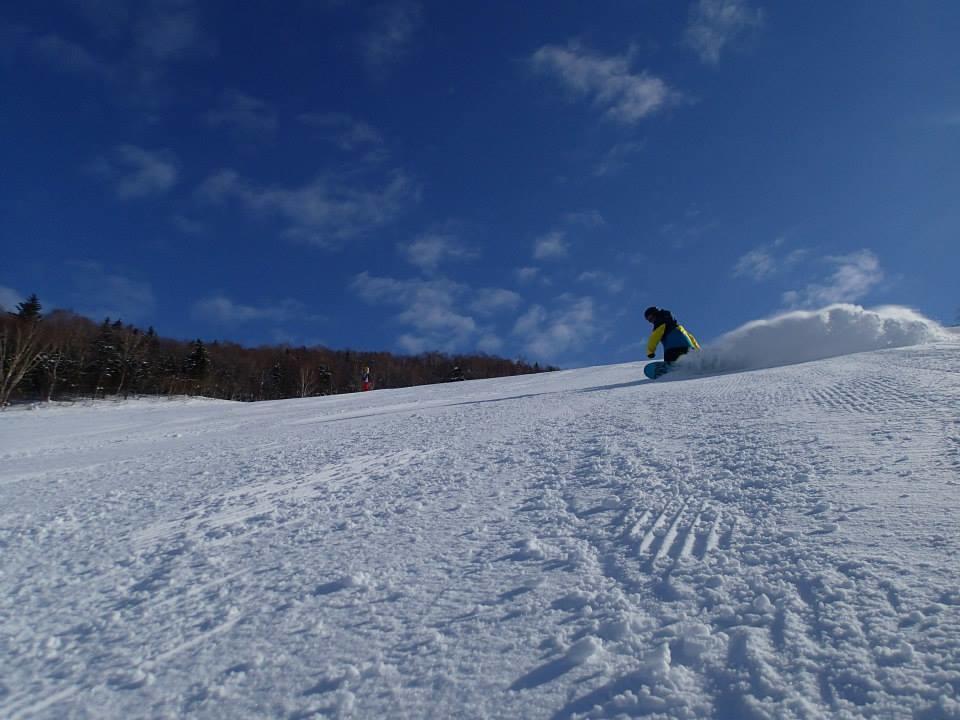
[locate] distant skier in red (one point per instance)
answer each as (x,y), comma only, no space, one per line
(367,383)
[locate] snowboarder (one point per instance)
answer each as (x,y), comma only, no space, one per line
(676,339)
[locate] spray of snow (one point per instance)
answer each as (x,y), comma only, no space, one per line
(804,335)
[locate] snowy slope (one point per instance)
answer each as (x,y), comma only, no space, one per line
(773,543)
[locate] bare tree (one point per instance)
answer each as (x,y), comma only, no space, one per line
(307,377)
(22,345)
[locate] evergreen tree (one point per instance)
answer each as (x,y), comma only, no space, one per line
(29,309)
(197,364)
(105,361)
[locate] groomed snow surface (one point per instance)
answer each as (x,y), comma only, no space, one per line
(773,543)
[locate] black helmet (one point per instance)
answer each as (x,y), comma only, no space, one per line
(651,312)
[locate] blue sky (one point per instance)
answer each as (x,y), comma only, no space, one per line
(521,179)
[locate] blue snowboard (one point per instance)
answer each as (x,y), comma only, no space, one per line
(655,369)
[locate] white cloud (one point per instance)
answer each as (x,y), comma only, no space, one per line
(395,25)
(188,225)
(547,334)
(52,50)
(431,309)
(692,229)
(69,56)
(427,251)
(413,344)
(144,38)
(527,274)
(609,282)
(765,261)
(585,218)
(624,96)
(428,306)
(945,119)
(616,158)
(242,112)
(10,298)
(98,293)
(551,246)
(437,321)
(490,343)
(136,172)
(170,31)
(491,301)
(346,131)
(757,264)
(324,212)
(853,277)
(220,308)
(714,24)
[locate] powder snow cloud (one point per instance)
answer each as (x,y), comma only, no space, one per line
(805,335)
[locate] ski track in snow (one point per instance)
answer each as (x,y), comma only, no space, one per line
(583,544)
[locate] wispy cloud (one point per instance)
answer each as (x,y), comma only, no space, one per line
(853,276)
(429,250)
(585,218)
(347,132)
(242,112)
(221,309)
(757,264)
(51,50)
(324,212)
(551,246)
(428,307)
(99,293)
(690,230)
(624,96)
(188,225)
(616,158)
(144,40)
(944,119)
(765,261)
(547,334)
(439,314)
(136,172)
(527,274)
(10,298)
(170,30)
(714,24)
(394,26)
(607,281)
(493,301)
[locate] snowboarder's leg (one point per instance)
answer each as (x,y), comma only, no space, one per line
(671,354)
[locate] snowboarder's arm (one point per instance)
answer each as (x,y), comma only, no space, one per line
(655,337)
(690,337)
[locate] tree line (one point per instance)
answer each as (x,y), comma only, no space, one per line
(62,356)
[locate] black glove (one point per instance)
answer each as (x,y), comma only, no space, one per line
(651,355)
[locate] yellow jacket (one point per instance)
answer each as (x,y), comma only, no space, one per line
(657,335)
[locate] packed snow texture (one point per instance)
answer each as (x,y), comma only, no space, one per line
(804,335)
(780,543)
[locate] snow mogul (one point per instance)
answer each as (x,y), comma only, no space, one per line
(676,339)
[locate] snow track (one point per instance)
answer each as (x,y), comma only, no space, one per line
(774,544)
